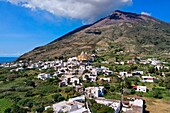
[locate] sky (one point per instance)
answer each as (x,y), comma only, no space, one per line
(26,24)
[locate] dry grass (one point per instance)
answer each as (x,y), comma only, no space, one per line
(157,106)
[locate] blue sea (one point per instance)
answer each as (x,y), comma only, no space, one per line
(7,59)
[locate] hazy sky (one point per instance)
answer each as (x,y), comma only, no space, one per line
(26,24)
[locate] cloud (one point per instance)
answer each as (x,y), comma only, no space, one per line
(76,9)
(146,13)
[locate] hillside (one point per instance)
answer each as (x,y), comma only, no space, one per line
(120,30)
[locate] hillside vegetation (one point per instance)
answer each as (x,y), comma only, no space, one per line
(138,34)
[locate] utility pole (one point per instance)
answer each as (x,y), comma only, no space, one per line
(122,93)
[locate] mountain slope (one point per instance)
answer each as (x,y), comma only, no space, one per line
(128,31)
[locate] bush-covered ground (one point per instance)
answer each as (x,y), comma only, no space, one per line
(24,90)
(99,108)
(4,104)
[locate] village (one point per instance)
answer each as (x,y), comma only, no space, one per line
(77,70)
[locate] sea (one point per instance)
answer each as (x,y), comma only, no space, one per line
(7,59)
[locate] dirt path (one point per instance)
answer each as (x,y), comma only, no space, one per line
(157,106)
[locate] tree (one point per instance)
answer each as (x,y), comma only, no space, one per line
(29,94)
(167,82)
(58,97)
(26,103)
(8,110)
(133,91)
(31,83)
(112,88)
(40,109)
(127,83)
(68,89)
(106,85)
(133,67)
(156,93)
(99,108)
(15,98)
(151,69)
(136,80)
(15,109)
(61,98)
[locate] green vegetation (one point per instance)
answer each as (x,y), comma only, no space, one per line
(139,36)
(118,42)
(22,91)
(99,108)
(4,104)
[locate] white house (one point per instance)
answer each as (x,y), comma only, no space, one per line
(137,106)
(62,70)
(44,76)
(32,66)
(94,71)
(82,68)
(89,68)
(155,62)
(73,105)
(105,79)
(73,59)
(144,62)
(74,80)
(79,98)
(159,67)
(19,69)
(122,63)
(123,73)
(147,79)
(45,67)
(104,68)
(95,92)
(129,75)
(140,88)
(56,74)
(88,76)
(107,72)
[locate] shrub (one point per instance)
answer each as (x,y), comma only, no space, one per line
(112,88)
(17,109)
(47,89)
(58,97)
(8,110)
(133,91)
(30,83)
(26,103)
(15,98)
(68,89)
(29,94)
(156,93)
(99,108)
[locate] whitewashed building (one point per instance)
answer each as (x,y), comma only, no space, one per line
(44,76)
(95,92)
(73,105)
(105,79)
(140,88)
(147,79)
